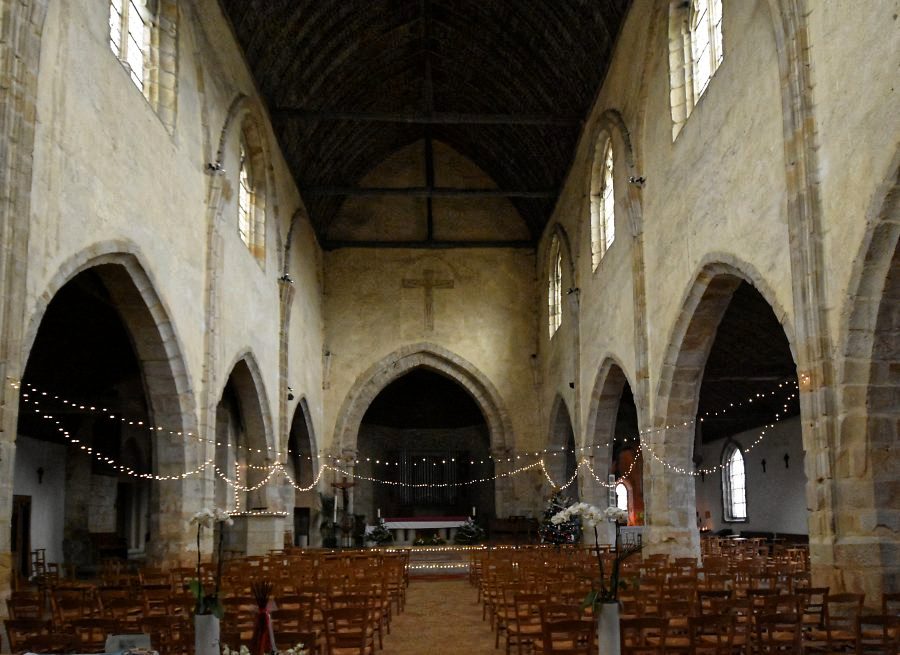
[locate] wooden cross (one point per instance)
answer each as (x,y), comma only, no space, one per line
(429,284)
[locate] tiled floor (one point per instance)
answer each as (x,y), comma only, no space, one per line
(442,617)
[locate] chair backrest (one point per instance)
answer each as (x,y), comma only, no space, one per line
(778,633)
(643,635)
(21,631)
(713,634)
(878,634)
(570,637)
(349,629)
(841,611)
(890,603)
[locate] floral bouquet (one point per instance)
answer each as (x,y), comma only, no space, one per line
(604,591)
(209,603)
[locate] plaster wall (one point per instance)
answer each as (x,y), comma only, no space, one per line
(106,170)
(776,497)
(858,125)
(47,496)
(485,319)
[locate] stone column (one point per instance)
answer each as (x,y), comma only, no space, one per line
(669,495)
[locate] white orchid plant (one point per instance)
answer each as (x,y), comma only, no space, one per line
(208,518)
(299,649)
(591,515)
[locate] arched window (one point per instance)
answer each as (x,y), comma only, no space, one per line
(142,36)
(603,204)
(129,36)
(734,484)
(706,42)
(251,193)
(695,52)
(622,497)
(554,286)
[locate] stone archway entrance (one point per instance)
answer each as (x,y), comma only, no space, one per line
(106,459)
(439,360)
(670,493)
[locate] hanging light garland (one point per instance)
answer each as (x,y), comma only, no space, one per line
(278,467)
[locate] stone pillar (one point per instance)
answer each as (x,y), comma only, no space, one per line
(669,495)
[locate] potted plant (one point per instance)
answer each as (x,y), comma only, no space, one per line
(604,595)
(208,610)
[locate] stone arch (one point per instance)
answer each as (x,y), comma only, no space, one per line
(670,497)
(561,456)
(867,425)
(248,115)
(166,384)
(145,314)
(565,248)
(692,335)
(433,357)
(604,402)
(599,435)
(247,378)
(612,123)
(301,413)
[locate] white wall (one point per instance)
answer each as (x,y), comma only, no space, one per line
(776,499)
(48,497)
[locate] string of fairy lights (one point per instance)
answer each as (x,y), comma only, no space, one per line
(37,399)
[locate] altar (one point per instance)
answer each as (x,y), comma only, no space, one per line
(407,529)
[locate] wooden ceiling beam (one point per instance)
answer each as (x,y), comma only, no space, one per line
(421,192)
(428,245)
(437,118)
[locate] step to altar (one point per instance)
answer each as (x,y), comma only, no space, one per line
(442,561)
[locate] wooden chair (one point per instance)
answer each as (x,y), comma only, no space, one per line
(778,633)
(525,626)
(839,633)
(92,633)
(877,635)
(813,599)
(643,636)
(20,632)
(349,631)
(576,637)
(711,635)
(25,605)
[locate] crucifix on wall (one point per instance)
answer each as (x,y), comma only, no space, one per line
(429,284)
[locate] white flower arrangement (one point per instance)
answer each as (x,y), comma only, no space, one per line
(207,517)
(299,649)
(591,515)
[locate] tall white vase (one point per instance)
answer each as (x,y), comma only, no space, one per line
(608,629)
(206,634)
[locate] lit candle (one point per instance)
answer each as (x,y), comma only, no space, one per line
(473,510)
(379,512)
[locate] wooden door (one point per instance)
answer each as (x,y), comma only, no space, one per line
(21,535)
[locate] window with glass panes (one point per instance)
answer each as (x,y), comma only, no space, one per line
(706,42)
(734,485)
(129,37)
(554,290)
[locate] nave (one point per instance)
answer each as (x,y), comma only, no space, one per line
(741,596)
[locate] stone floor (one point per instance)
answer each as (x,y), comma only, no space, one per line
(442,617)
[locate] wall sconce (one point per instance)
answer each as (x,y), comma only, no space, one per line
(40,474)
(290,394)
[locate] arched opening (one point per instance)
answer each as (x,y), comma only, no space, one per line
(627,465)
(241,449)
(426,429)
(614,452)
(561,458)
(98,377)
(748,445)
(301,466)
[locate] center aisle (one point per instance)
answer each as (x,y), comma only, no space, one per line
(442,616)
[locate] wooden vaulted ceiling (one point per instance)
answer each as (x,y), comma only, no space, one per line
(507,83)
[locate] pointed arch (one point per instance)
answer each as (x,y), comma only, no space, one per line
(868,386)
(561,458)
(245,374)
(120,267)
(302,428)
(430,356)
